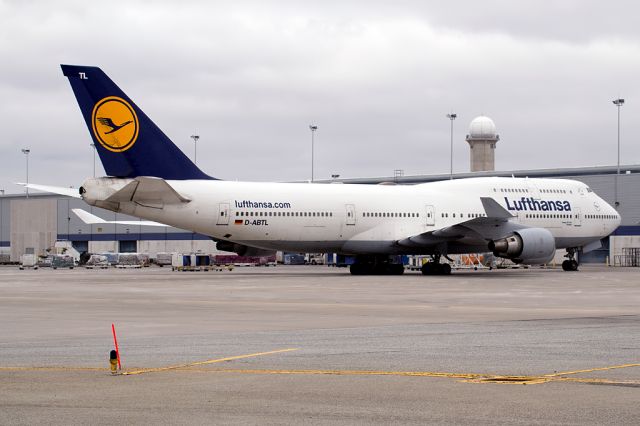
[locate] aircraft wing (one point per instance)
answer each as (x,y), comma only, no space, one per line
(69,192)
(496,224)
(91,219)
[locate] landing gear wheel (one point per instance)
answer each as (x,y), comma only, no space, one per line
(357,269)
(376,268)
(445,269)
(427,268)
(432,268)
(571,264)
(396,269)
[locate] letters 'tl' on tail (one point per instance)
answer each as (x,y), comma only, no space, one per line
(128,142)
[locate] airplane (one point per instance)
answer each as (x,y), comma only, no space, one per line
(521,219)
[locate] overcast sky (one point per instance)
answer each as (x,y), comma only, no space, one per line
(377,78)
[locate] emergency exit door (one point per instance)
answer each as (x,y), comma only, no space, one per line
(351,214)
(431,216)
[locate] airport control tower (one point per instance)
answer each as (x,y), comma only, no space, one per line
(482,139)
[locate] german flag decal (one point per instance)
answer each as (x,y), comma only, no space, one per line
(238,222)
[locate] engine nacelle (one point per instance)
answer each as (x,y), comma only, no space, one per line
(242,250)
(532,246)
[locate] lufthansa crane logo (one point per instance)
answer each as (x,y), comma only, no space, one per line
(115,124)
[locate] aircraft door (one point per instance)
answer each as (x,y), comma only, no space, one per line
(351,214)
(223,214)
(431,216)
(577,217)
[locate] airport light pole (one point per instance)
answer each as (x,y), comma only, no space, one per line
(313,129)
(195,148)
(618,103)
(451,117)
(26,152)
(93,145)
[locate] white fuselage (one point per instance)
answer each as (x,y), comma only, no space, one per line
(371,219)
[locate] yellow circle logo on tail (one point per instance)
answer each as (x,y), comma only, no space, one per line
(115,124)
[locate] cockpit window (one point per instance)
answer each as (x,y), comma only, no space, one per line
(589,189)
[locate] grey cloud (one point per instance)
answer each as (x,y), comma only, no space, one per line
(377,78)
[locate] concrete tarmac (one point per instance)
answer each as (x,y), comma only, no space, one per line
(314,345)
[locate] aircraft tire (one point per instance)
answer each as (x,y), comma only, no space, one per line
(445,269)
(396,269)
(570,265)
(357,269)
(426,268)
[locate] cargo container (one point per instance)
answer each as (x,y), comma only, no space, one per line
(163,259)
(28,261)
(192,262)
(62,261)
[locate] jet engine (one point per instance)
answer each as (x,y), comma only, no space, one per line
(242,250)
(531,246)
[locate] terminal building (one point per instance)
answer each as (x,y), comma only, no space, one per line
(33,224)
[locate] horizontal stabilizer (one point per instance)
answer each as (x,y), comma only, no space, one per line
(91,219)
(148,190)
(153,189)
(61,190)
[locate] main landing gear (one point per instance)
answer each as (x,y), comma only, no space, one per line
(434,267)
(571,264)
(375,265)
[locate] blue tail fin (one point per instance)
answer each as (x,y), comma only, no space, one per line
(128,142)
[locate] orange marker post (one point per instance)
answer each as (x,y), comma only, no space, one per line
(115,341)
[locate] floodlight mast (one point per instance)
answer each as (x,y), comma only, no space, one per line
(618,103)
(26,152)
(195,148)
(313,129)
(451,117)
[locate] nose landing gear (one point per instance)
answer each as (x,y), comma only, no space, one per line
(571,264)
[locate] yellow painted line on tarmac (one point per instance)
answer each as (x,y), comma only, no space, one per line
(53,368)
(464,377)
(346,373)
(593,381)
(591,370)
(211,361)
